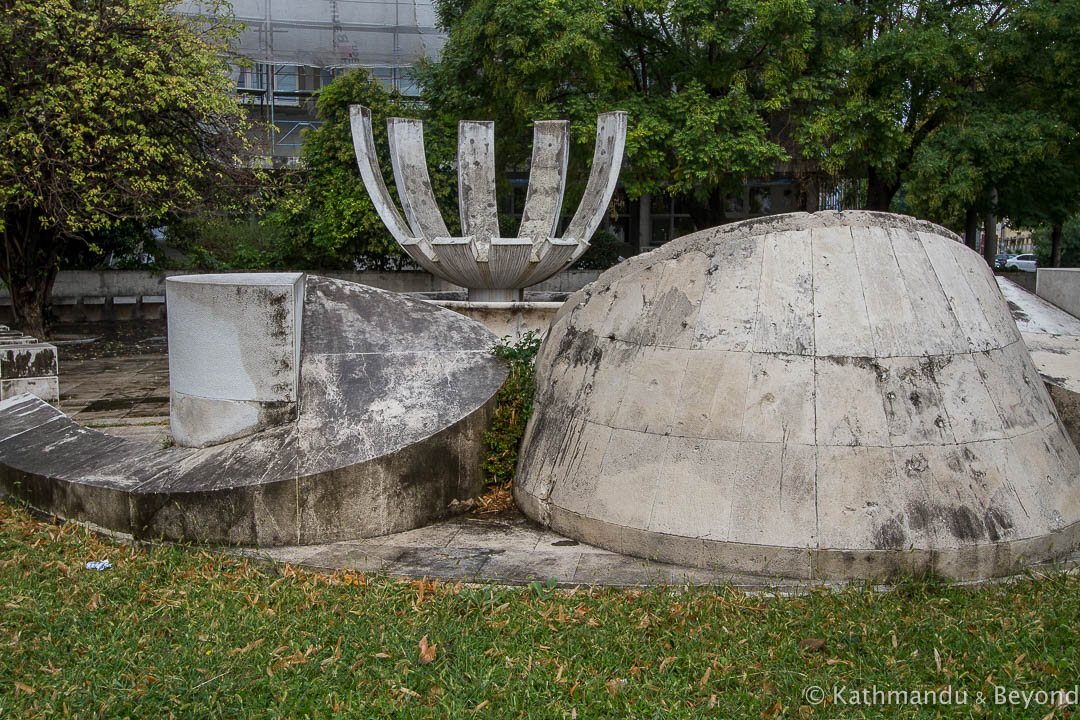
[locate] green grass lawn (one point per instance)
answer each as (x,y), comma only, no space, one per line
(174,632)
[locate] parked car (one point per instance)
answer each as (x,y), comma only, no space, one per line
(1023,262)
(1002,258)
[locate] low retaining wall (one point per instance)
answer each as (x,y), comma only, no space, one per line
(122,295)
(1060,286)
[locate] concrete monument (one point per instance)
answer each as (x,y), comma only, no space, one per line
(387,397)
(28,365)
(493,268)
(837,395)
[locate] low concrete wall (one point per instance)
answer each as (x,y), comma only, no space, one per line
(120,295)
(1060,286)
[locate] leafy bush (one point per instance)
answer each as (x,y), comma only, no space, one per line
(222,242)
(604,251)
(514,404)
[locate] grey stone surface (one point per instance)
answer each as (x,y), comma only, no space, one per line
(494,269)
(506,548)
(1052,337)
(234,354)
(819,396)
(394,396)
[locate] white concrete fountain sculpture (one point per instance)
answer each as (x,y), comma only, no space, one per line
(493,268)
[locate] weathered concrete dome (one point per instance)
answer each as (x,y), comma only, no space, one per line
(836,395)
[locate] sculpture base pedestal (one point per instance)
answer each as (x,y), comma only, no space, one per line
(501,295)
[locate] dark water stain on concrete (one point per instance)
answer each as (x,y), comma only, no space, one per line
(890,535)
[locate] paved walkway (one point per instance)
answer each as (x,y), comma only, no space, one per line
(505,548)
(1051,334)
(508,549)
(127,396)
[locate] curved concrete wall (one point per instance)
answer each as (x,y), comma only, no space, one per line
(397,394)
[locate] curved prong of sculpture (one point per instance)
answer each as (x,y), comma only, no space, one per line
(607,159)
(411,176)
(416,245)
(493,268)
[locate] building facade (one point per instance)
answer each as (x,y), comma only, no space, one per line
(294,47)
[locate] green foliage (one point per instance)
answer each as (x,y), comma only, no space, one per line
(127,245)
(699,80)
(329,220)
(199,634)
(1015,129)
(887,75)
(111,110)
(1070,244)
(514,404)
(604,251)
(222,242)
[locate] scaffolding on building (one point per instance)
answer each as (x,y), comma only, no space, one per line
(295,47)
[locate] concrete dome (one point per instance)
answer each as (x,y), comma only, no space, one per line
(836,395)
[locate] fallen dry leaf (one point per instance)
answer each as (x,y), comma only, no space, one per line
(615,686)
(427,652)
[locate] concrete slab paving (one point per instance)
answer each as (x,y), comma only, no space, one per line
(527,553)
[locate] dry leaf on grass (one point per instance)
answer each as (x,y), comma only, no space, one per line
(427,652)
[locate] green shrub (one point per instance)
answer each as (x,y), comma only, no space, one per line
(604,251)
(221,242)
(514,403)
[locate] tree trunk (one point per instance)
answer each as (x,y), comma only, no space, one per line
(971,228)
(1055,244)
(990,241)
(28,266)
(879,192)
(29,301)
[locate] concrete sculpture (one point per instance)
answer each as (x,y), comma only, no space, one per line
(394,395)
(493,268)
(837,395)
(234,354)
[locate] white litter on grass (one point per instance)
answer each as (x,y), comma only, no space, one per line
(98,565)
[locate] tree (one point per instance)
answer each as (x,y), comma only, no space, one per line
(704,82)
(887,76)
(110,110)
(1067,245)
(1017,132)
(329,218)
(1040,68)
